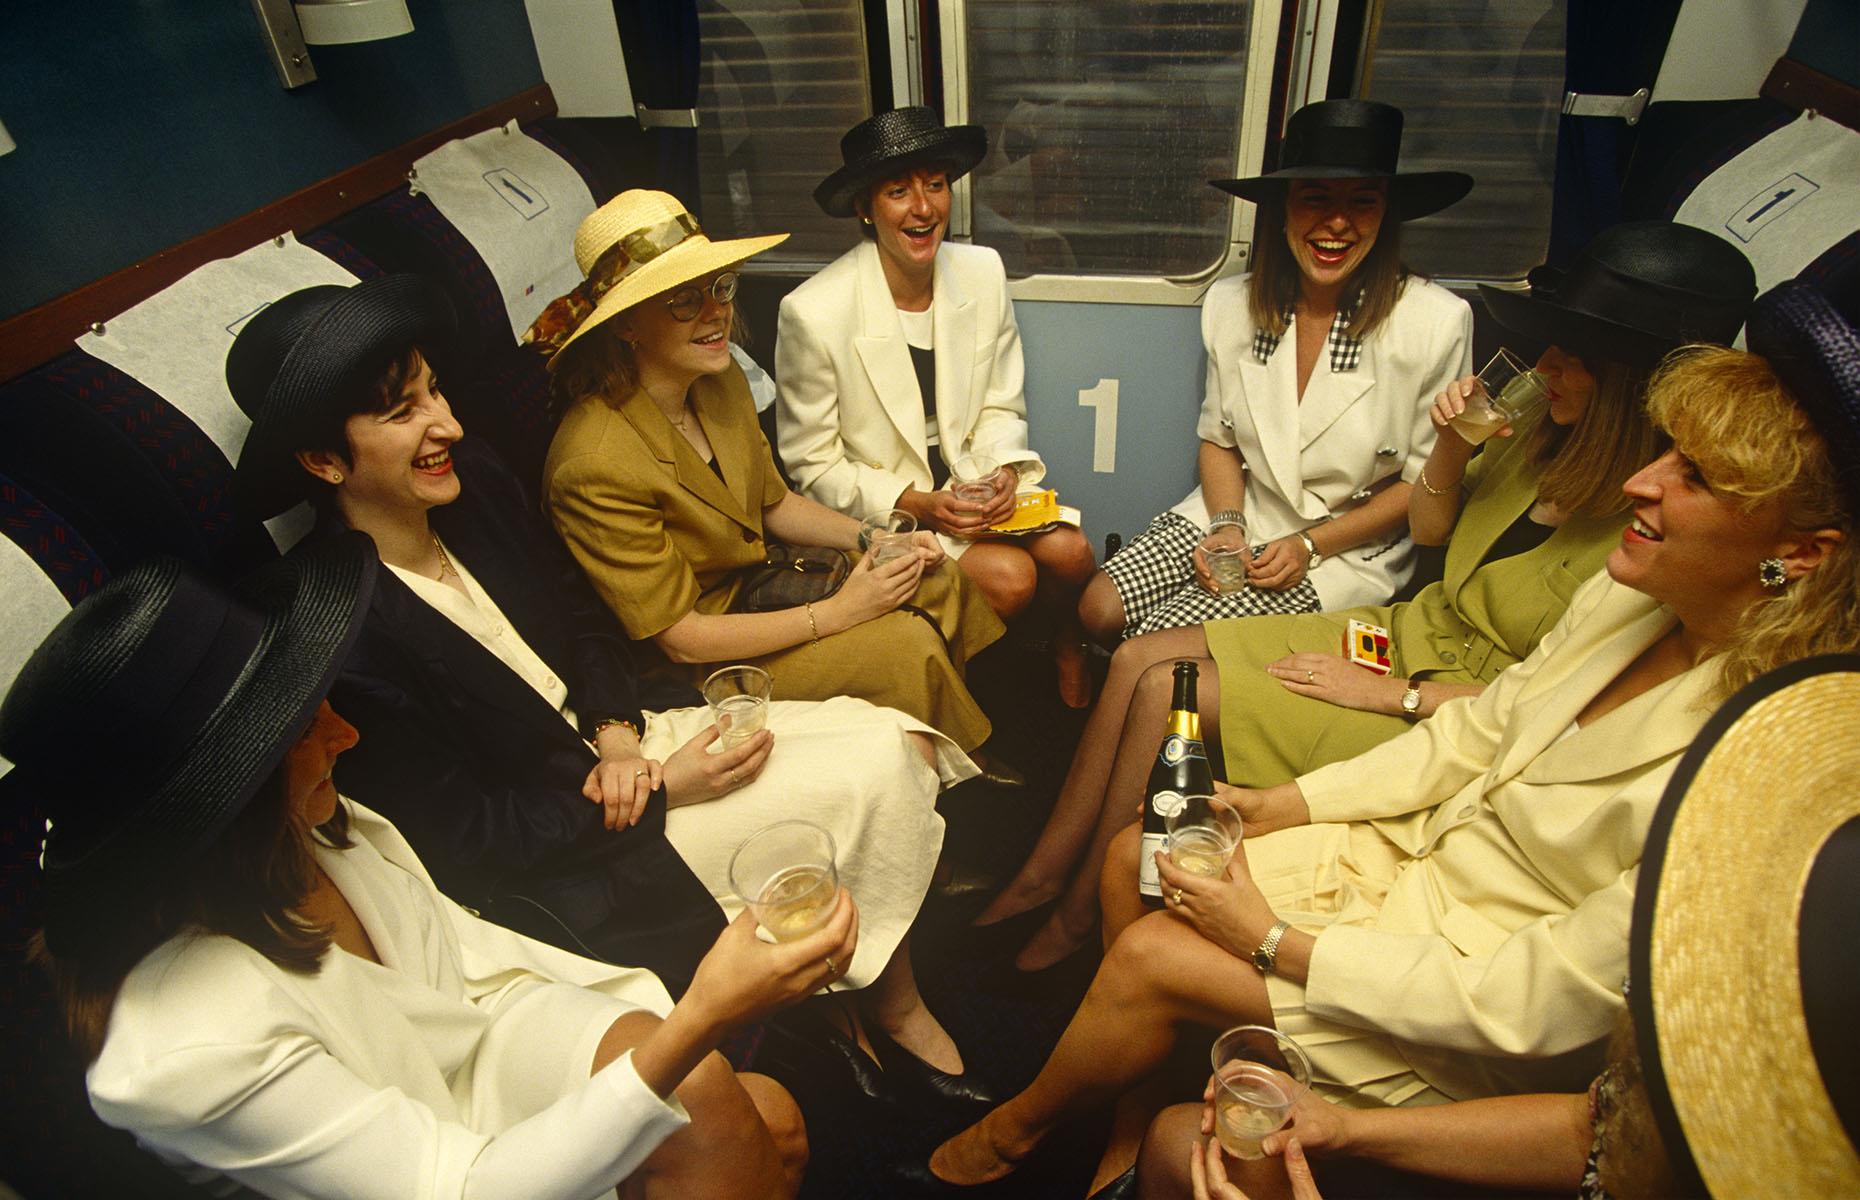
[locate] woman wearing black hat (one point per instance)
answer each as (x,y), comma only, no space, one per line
(268,990)
(1530,517)
(505,727)
(1321,366)
(902,358)
(1446,915)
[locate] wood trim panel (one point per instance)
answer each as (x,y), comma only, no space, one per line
(43,333)
(1803,87)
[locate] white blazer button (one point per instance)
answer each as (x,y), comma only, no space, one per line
(1360,495)
(1226,424)
(1448,657)
(1467,812)
(1385,452)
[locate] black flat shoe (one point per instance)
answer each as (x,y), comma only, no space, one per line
(803,1042)
(995,771)
(906,1070)
(1124,1187)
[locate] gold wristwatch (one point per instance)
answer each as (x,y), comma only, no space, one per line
(1268,952)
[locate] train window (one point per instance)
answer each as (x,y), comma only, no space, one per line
(1105,120)
(779,84)
(1481,85)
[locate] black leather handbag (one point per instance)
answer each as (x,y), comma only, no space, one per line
(792,576)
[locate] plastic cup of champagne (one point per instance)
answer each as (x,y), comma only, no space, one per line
(1202,834)
(974,479)
(1505,392)
(739,703)
(1259,1074)
(1226,549)
(886,536)
(784,872)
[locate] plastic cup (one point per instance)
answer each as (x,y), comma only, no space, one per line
(1506,391)
(784,872)
(887,535)
(1228,553)
(1259,1075)
(1202,834)
(975,478)
(739,702)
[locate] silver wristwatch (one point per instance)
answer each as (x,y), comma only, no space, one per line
(1268,952)
(1411,700)
(1311,549)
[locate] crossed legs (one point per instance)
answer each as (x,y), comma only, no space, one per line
(1046,571)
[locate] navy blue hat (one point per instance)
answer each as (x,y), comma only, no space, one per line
(1815,351)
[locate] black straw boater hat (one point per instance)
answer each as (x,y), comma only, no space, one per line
(1815,351)
(156,708)
(1638,291)
(300,355)
(1743,960)
(1352,139)
(878,147)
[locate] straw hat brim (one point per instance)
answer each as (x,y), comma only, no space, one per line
(1715,958)
(1412,194)
(313,601)
(690,259)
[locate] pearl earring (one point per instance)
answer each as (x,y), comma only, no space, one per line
(335,476)
(867,220)
(1773,574)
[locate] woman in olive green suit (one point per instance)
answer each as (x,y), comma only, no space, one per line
(1530,517)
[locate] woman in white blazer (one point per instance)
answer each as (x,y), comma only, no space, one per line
(1446,915)
(902,357)
(270,992)
(1322,367)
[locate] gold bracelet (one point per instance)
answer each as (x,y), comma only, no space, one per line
(811,624)
(1431,490)
(624,724)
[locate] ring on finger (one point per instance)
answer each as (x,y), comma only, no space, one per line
(734,779)
(638,773)
(833,968)
(1310,676)
(1176,896)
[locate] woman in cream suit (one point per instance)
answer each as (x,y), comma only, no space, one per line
(1446,915)
(902,357)
(1322,364)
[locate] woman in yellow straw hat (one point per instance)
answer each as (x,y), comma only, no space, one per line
(1446,915)
(663,486)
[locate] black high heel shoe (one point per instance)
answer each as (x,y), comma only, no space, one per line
(907,1070)
(808,1044)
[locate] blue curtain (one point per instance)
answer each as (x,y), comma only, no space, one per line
(660,38)
(1614,49)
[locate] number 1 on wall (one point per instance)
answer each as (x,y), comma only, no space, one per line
(1103,398)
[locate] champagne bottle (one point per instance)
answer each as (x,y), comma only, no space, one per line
(1181,770)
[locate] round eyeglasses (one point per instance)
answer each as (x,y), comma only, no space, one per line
(687,302)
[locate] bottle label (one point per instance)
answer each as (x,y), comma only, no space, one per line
(1149,881)
(1167,804)
(1173,750)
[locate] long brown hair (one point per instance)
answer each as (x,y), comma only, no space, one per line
(1583,466)
(1273,289)
(246,885)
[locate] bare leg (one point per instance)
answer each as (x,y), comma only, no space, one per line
(1078,812)
(1065,563)
(1118,898)
(1101,610)
(1144,723)
(1162,1168)
(894,1002)
(1135,1110)
(1159,975)
(1004,572)
(728,1149)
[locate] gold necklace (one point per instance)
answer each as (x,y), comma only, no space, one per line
(445,561)
(681,421)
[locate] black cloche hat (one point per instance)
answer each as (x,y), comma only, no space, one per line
(300,354)
(151,714)
(1637,291)
(1815,351)
(879,146)
(1743,965)
(1352,139)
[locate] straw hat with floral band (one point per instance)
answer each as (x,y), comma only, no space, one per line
(885,144)
(633,247)
(1352,139)
(1636,292)
(308,348)
(1744,964)
(202,692)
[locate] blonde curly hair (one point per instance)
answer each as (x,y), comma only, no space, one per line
(1729,413)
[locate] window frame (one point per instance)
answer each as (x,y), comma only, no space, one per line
(1249,153)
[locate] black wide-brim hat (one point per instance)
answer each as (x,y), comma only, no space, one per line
(1743,964)
(305,356)
(1636,292)
(155,710)
(1815,351)
(1352,139)
(887,143)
